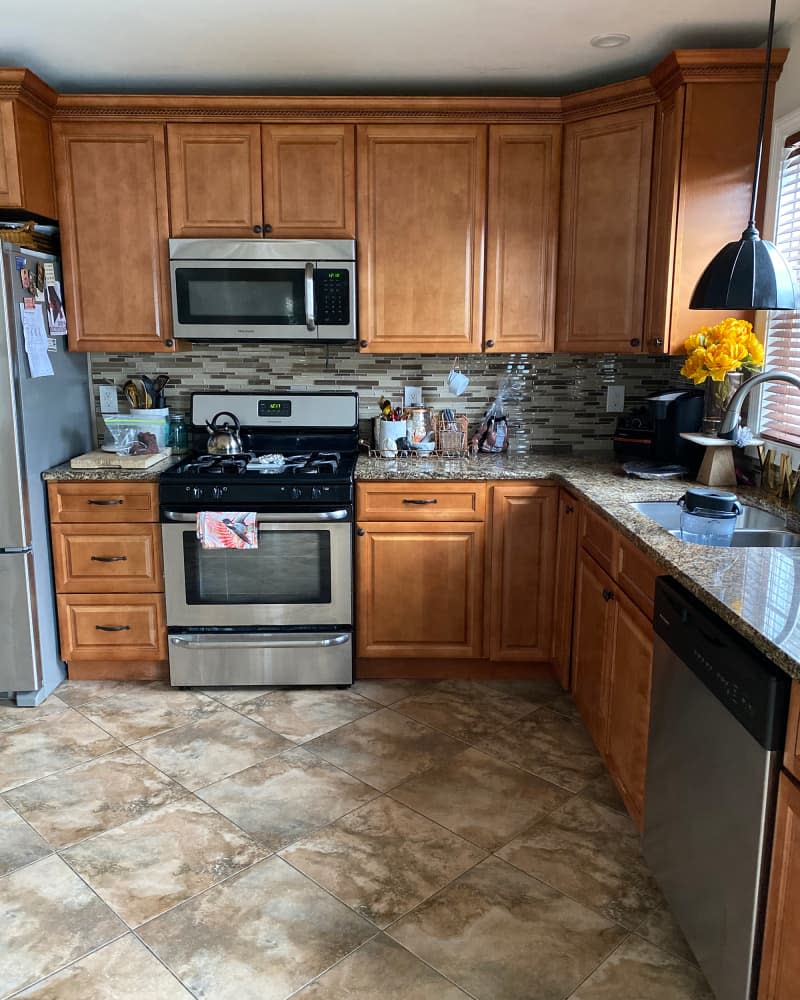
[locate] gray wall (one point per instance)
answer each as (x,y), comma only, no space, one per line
(553,400)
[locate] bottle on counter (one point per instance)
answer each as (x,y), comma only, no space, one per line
(178,434)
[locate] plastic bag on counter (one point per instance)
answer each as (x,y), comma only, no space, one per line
(132,435)
(492,435)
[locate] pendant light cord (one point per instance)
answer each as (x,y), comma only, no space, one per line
(762,120)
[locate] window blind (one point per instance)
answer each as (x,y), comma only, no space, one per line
(780,403)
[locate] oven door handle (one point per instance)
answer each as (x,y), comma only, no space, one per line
(308,517)
(273,642)
(311,321)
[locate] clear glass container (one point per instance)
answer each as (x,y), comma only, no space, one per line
(178,434)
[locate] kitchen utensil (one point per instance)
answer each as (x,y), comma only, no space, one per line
(160,382)
(225,438)
(135,392)
(149,392)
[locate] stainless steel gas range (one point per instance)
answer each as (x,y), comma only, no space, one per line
(280,612)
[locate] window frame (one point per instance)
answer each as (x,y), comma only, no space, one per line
(782,128)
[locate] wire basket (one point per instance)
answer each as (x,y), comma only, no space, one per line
(451,433)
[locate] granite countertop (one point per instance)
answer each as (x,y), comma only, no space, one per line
(65,474)
(756,591)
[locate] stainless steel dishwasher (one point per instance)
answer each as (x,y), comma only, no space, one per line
(717,729)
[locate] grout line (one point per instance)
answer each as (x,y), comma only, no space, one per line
(68,965)
(599,965)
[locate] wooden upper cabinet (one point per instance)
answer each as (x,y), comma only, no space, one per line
(309,180)
(604,222)
(702,173)
(523,566)
(421,218)
(111,183)
(522,237)
(215,180)
(26,164)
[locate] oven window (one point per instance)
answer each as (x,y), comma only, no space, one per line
(288,567)
(257,295)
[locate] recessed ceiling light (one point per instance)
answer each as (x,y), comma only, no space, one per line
(610,41)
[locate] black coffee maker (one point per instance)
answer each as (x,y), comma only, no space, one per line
(652,432)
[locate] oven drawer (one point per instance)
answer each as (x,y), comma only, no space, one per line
(420,502)
(115,558)
(112,627)
(122,502)
(261,658)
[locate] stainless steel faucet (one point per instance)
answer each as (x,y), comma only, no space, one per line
(730,418)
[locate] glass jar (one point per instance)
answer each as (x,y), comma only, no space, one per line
(178,434)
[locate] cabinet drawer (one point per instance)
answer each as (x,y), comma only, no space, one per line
(637,575)
(117,558)
(112,626)
(78,502)
(414,502)
(599,539)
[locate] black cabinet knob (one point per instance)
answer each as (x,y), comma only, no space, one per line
(169,342)
(267,227)
(360,531)
(490,343)
(363,343)
(256,229)
(635,342)
(608,595)
(569,509)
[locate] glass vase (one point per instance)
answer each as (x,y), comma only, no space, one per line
(717,397)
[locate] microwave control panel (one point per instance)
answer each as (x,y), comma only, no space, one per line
(333,297)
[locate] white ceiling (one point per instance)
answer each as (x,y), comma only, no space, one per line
(350,46)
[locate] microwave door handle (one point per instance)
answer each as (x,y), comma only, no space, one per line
(311,322)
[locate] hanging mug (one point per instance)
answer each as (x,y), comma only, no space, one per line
(457,381)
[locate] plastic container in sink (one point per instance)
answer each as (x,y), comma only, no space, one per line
(708,516)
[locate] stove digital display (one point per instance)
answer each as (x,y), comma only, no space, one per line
(274,407)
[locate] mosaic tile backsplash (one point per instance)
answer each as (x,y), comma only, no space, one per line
(551,400)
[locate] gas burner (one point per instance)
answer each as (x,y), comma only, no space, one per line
(218,465)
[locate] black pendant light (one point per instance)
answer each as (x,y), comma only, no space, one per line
(750,273)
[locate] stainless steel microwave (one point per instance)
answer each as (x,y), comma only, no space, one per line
(263,289)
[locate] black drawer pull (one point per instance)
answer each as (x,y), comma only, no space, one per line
(113,628)
(109,558)
(569,509)
(420,503)
(608,595)
(106,503)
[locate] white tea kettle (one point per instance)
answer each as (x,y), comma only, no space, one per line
(224,439)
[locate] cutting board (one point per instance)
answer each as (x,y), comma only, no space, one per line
(110,460)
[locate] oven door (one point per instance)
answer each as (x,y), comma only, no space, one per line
(300,574)
(263,299)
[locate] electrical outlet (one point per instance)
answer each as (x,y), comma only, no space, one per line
(412,395)
(615,399)
(108,399)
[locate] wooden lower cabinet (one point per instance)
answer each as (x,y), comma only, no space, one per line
(591,641)
(612,654)
(567,536)
(523,565)
(780,962)
(420,589)
(628,712)
(109,579)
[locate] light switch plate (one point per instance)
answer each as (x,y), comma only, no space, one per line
(412,395)
(108,399)
(615,399)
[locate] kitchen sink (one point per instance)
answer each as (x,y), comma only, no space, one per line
(755,528)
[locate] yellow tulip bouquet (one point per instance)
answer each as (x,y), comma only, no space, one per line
(716,351)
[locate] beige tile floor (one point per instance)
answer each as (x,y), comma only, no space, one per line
(398,841)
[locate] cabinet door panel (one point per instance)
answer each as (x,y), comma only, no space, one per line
(568,515)
(422,206)
(603,242)
(420,590)
(10,188)
(112,626)
(522,236)
(780,964)
(111,558)
(309,180)
(214,179)
(592,634)
(112,202)
(629,702)
(523,548)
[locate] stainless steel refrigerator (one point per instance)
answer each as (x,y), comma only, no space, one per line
(43,421)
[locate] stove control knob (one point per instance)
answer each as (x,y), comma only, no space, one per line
(197,492)
(297,493)
(316,493)
(216,492)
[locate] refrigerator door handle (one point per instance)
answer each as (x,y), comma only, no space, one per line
(15,550)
